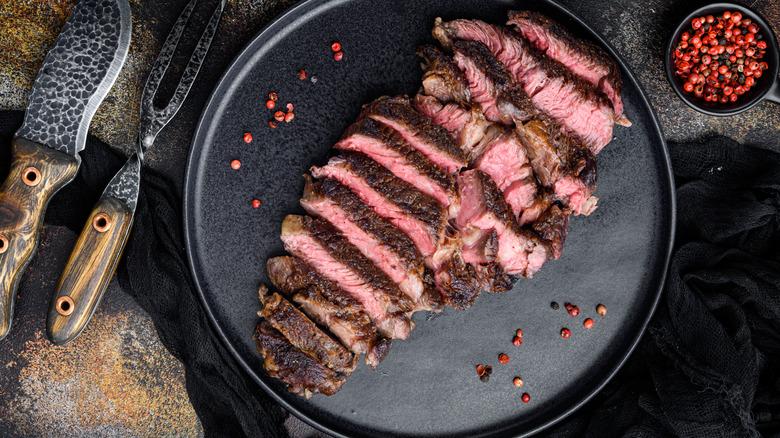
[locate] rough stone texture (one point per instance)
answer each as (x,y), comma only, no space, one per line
(117,379)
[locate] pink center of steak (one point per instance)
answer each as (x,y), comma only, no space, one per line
(308,248)
(578,62)
(483,92)
(556,95)
(474,213)
(507,164)
(414,228)
(578,197)
(396,163)
(370,246)
(451,116)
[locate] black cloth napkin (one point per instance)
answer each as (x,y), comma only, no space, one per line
(155,273)
(708,366)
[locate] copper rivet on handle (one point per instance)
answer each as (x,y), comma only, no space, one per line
(64,306)
(3,244)
(101,222)
(31,176)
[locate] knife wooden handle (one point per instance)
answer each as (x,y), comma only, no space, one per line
(37,173)
(89,270)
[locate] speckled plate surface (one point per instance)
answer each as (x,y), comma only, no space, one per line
(427,386)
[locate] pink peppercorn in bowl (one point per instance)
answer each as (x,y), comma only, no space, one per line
(764,85)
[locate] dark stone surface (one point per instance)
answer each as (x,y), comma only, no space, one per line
(638,30)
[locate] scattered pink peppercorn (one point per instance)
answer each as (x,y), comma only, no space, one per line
(526,398)
(255,203)
(338,55)
(565,333)
(247,138)
(235,164)
(588,323)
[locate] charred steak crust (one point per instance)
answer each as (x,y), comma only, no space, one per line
(399,192)
(496,204)
(442,78)
(399,110)
(492,278)
(340,249)
(326,304)
(372,223)
(304,334)
(552,227)
(391,139)
(354,329)
(281,360)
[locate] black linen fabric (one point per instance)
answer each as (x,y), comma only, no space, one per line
(708,366)
(155,273)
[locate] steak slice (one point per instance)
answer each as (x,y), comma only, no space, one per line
(281,360)
(582,57)
(326,304)
(520,251)
(388,148)
(455,279)
(467,126)
(385,245)
(304,334)
(425,136)
(442,78)
(501,155)
(559,161)
(335,259)
(565,97)
(552,227)
(418,215)
(487,77)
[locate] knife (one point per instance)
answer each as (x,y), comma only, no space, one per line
(75,77)
(102,240)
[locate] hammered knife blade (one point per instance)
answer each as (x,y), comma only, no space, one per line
(76,75)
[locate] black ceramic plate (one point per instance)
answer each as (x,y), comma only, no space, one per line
(427,386)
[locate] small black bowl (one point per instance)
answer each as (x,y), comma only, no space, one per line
(765,87)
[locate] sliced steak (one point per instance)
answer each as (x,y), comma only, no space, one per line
(492,278)
(582,57)
(454,279)
(326,304)
(501,155)
(388,148)
(425,136)
(385,245)
(334,258)
(418,215)
(467,126)
(487,77)
(304,334)
(355,330)
(552,227)
(567,98)
(281,360)
(559,161)
(442,78)
(520,251)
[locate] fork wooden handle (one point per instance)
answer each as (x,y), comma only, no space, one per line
(89,270)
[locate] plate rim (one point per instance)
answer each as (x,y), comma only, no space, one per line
(296,11)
